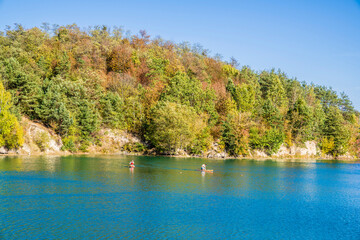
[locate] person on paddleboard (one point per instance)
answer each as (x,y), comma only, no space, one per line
(132,163)
(203,167)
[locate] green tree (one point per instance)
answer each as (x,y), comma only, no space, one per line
(111,109)
(335,129)
(300,119)
(272,114)
(87,119)
(189,91)
(272,88)
(245,94)
(235,133)
(246,97)
(23,83)
(174,126)
(269,140)
(52,109)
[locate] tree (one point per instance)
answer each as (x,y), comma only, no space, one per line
(174,126)
(269,140)
(112,111)
(23,83)
(235,133)
(335,130)
(74,81)
(246,97)
(272,114)
(11,133)
(327,96)
(346,107)
(300,119)
(272,88)
(87,119)
(52,109)
(119,60)
(189,91)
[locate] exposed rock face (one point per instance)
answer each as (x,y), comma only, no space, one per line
(310,150)
(112,141)
(283,151)
(3,150)
(215,151)
(37,140)
(41,140)
(181,152)
(346,156)
(259,154)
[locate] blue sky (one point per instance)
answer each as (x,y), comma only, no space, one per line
(313,40)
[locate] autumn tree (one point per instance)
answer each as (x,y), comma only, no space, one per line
(11,133)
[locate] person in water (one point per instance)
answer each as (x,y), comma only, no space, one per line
(132,163)
(203,167)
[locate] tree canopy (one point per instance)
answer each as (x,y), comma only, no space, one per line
(174,96)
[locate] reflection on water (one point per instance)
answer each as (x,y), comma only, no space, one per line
(100,197)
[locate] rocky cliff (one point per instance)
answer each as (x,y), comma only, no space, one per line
(42,140)
(37,140)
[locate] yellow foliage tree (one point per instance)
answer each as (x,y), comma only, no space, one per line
(327,145)
(230,71)
(11,133)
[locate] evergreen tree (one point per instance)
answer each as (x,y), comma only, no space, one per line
(335,130)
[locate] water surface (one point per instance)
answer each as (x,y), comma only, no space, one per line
(95,197)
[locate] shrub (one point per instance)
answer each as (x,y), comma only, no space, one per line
(42,140)
(69,144)
(84,144)
(268,141)
(272,140)
(134,147)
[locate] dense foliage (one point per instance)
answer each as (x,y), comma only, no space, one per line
(175,96)
(11,134)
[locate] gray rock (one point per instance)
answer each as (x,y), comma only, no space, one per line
(3,150)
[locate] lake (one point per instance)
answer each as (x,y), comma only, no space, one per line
(96,197)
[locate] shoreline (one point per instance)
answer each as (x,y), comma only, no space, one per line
(260,159)
(113,142)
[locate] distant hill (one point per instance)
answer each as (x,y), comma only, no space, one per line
(174,96)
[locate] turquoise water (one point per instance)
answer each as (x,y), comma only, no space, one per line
(84,197)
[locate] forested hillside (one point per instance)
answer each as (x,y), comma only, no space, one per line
(175,96)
